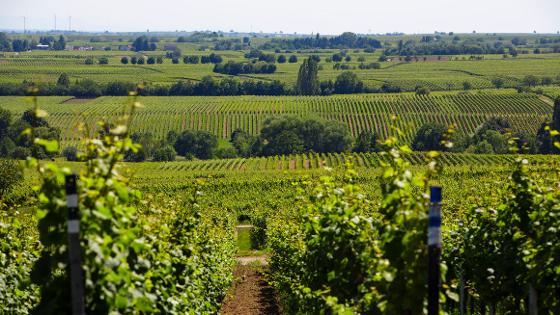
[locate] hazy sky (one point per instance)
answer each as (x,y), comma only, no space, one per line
(302,16)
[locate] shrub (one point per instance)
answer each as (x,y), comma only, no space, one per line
(166,153)
(10,174)
(70,153)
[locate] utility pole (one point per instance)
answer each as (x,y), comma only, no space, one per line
(55,22)
(24,25)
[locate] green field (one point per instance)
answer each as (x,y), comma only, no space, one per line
(448,73)
(342,233)
(372,112)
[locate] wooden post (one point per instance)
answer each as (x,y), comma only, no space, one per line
(533,306)
(434,250)
(461,295)
(74,251)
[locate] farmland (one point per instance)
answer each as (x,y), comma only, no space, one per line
(336,227)
(445,74)
(371,112)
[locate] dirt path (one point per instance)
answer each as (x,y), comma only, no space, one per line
(252,295)
(246,260)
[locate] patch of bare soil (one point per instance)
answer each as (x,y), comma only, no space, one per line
(252,295)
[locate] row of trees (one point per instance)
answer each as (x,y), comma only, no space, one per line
(345,40)
(207,86)
(491,137)
(19,45)
(261,56)
(235,68)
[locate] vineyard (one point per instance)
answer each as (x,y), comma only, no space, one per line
(372,112)
(377,229)
(447,74)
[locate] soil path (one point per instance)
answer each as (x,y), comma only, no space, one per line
(252,295)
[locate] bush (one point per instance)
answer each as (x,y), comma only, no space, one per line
(429,137)
(103,61)
(21,153)
(89,61)
(164,154)
(124,60)
(422,90)
(70,153)
(293,59)
(10,174)
(348,82)
(200,144)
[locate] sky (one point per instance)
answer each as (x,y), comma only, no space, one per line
(288,16)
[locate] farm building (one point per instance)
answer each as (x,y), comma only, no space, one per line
(41,47)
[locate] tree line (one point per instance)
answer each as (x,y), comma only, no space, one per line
(492,137)
(18,45)
(345,40)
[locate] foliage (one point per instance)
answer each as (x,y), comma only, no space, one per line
(10,174)
(307,81)
(429,137)
(168,260)
(287,135)
(200,144)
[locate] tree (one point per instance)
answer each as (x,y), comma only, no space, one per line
(483,147)
(124,60)
(243,142)
(307,81)
(151,60)
(10,174)
(281,59)
(348,82)
(89,61)
(286,142)
(140,60)
(499,124)
(5,42)
(545,141)
(103,61)
(366,142)
(5,122)
(302,135)
(336,138)
(422,90)
(63,80)
(60,44)
(133,60)
(70,153)
(429,137)
(293,59)
(467,86)
(29,117)
(141,44)
(498,83)
(530,80)
(159,60)
(498,141)
(165,153)
(200,144)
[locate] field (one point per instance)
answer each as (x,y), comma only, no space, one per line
(449,73)
(309,233)
(372,112)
